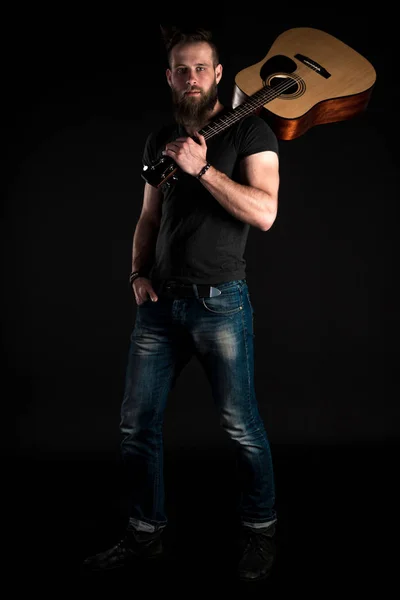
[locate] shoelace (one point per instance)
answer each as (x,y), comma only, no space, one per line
(122,546)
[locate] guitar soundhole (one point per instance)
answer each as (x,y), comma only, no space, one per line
(290,86)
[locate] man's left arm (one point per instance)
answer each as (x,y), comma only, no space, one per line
(255,199)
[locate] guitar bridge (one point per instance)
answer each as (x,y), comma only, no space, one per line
(312,64)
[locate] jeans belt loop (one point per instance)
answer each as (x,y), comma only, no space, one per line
(196,293)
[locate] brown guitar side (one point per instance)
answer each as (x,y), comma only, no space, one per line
(343,96)
(326,111)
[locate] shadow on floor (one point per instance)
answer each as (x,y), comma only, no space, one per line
(333,504)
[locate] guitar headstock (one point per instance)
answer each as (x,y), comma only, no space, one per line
(159,172)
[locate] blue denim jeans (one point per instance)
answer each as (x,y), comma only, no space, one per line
(166,334)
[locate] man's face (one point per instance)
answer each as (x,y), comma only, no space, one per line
(193,81)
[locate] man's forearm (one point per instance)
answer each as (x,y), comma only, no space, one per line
(144,245)
(248,204)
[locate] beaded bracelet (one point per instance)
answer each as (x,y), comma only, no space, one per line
(204,169)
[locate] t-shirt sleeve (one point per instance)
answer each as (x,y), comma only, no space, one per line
(255,135)
(155,143)
(150,150)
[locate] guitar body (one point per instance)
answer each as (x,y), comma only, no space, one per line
(323,80)
(307,78)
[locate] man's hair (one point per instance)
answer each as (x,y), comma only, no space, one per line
(172,35)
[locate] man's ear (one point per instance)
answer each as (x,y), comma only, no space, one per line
(168,74)
(218,72)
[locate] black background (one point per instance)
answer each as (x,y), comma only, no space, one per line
(80,101)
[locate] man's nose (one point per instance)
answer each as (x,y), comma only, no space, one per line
(191,79)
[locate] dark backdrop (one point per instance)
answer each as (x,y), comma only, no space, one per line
(81,101)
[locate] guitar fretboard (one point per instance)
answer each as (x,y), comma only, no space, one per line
(263,96)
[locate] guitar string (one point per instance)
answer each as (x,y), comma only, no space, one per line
(242,110)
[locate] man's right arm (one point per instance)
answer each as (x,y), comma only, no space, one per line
(147,228)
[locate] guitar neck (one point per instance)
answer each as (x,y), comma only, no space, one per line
(260,98)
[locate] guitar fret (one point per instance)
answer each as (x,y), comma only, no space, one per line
(263,96)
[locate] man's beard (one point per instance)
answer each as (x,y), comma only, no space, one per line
(193,112)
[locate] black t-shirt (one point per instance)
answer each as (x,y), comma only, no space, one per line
(199,241)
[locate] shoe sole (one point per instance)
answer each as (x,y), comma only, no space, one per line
(255,579)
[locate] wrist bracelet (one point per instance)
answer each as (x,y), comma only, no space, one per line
(134,275)
(204,169)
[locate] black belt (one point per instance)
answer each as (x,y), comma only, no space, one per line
(177,289)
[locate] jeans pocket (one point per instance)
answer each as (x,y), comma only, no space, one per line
(228,302)
(143,303)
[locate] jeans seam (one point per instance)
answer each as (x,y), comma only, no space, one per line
(245,332)
(226,313)
(157,477)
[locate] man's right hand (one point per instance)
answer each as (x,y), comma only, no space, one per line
(143,290)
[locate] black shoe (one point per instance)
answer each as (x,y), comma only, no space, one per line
(257,553)
(133,547)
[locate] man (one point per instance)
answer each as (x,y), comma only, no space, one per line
(188,279)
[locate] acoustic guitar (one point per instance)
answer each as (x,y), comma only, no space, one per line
(308,78)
